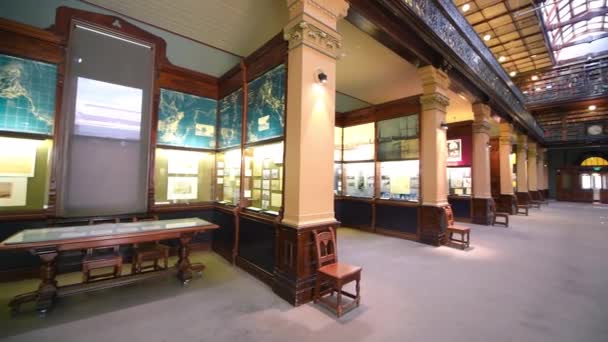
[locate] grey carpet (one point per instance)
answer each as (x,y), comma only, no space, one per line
(543,279)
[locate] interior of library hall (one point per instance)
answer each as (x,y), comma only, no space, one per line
(304,170)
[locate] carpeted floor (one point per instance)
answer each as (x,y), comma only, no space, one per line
(543,279)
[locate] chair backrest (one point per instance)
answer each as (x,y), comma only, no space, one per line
(94,221)
(145,218)
(492,206)
(326,247)
(449,215)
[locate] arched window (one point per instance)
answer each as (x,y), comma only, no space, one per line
(595,161)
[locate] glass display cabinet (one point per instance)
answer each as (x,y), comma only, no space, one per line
(358,143)
(263,178)
(399,180)
(228,177)
(337,179)
(398,138)
(359,179)
(459,181)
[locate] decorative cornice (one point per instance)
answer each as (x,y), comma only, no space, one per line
(323,6)
(481,127)
(328,43)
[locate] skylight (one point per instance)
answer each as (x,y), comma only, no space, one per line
(576,28)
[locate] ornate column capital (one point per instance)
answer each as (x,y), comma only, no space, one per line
(434,101)
(328,12)
(314,36)
(532,150)
(522,143)
(505,133)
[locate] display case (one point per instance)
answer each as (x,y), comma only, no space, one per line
(337,179)
(338,135)
(398,138)
(358,142)
(513,161)
(399,180)
(183,177)
(263,177)
(25,166)
(459,181)
(228,177)
(359,179)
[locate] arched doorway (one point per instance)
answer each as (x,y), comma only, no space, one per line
(593,180)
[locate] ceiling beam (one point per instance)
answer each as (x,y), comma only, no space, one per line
(588,15)
(587,40)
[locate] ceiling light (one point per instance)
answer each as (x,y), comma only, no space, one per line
(466,7)
(443,125)
(592,107)
(534,78)
(502,58)
(533,56)
(487,37)
(549,86)
(538,89)
(513,73)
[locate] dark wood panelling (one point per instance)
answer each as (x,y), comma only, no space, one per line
(603,196)
(461,206)
(494,167)
(230,81)
(188,81)
(30,42)
(400,219)
(256,242)
(354,213)
(507,204)
(271,54)
(388,110)
(224,239)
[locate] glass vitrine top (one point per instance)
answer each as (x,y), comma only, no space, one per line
(106,229)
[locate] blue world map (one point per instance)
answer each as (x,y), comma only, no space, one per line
(27,95)
(230,119)
(186,120)
(266,105)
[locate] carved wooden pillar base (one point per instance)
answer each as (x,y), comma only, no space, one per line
(507,204)
(47,290)
(184,268)
(432,225)
(295,262)
(481,211)
(534,195)
(523,198)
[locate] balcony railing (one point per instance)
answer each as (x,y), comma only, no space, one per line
(579,81)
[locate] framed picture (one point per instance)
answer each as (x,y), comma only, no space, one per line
(182,188)
(220,172)
(13,191)
(274,173)
(266,195)
(275,185)
(266,174)
(466,182)
(266,184)
(454,150)
(257,183)
(276,200)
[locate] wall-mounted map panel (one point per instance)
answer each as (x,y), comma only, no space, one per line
(27,95)
(266,105)
(231,119)
(186,120)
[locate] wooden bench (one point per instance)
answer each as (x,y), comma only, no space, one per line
(465,232)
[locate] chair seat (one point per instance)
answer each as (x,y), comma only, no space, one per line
(459,229)
(339,270)
(101,257)
(151,252)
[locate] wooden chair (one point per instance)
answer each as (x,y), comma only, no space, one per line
(333,274)
(498,214)
(542,199)
(101,257)
(465,232)
(153,252)
(533,203)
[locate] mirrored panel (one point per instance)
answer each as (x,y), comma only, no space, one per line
(399,180)
(359,142)
(359,179)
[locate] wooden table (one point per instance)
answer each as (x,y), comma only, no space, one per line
(47,243)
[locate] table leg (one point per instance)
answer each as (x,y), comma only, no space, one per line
(184,268)
(47,290)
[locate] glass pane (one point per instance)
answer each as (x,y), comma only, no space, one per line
(266,105)
(400,180)
(263,186)
(459,181)
(337,179)
(398,138)
(585,181)
(597,181)
(231,119)
(183,176)
(228,182)
(24,174)
(359,179)
(359,142)
(338,131)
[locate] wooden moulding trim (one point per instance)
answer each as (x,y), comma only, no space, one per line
(311,226)
(187,81)
(183,148)
(389,110)
(257,217)
(256,271)
(182,207)
(271,54)
(30,31)
(24,215)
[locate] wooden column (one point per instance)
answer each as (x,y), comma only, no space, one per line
(309,199)
(540,171)
(482,192)
(433,154)
(532,171)
(507,201)
(522,169)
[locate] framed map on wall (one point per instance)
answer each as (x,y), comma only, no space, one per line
(266,105)
(231,119)
(27,95)
(186,120)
